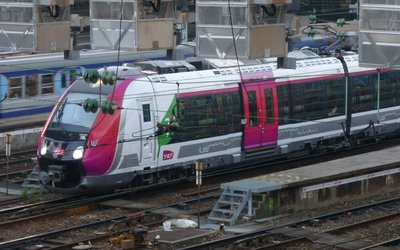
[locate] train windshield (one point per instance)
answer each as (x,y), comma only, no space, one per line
(70,115)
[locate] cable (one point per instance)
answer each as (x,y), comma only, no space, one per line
(118,60)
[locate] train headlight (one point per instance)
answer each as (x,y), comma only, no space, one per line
(43,149)
(78,153)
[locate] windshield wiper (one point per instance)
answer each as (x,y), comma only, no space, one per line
(60,112)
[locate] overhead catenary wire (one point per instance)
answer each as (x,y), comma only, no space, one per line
(118,59)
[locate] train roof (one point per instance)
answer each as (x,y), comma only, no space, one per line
(224,78)
(53,60)
(304,67)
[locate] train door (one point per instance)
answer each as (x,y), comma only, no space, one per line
(260,109)
(147,144)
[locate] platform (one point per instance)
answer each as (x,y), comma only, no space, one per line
(312,186)
(358,164)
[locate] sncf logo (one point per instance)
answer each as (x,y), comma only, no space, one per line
(59,151)
(168,155)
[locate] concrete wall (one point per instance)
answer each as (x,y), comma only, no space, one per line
(24,140)
(294,199)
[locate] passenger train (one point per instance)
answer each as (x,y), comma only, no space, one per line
(30,84)
(149,129)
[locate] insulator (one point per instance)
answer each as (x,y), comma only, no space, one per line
(311,32)
(91,105)
(108,77)
(340,35)
(312,18)
(108,107)
(103,77)
(91,76)
(94,106)
(86,105)
(340,22)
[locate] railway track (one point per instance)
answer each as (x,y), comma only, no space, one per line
(111,227)
(43,210)
(308,234)
(17,158)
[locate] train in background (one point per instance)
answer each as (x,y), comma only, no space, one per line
(324,44)
(148,129)
(30,85)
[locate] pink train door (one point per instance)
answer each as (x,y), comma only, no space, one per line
(261,113)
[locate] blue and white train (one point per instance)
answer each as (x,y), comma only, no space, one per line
(30,85)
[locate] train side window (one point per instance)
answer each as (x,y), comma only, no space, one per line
(389,89)
(269,100)
(394,78)
(232,112)
(362,93)
(334,97)
(178,118)
(146,113)
(180,112)
(203,115)
(226,114)
(221,114)
(68,76)
(298,93)
(31,85)
(313,101)
(253,109)
(47,86)
(15,88)
(283,104)
(64,83)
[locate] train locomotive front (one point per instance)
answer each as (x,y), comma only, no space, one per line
(78,143)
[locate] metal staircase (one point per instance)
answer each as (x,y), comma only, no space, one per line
(230,205)
(32,182)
